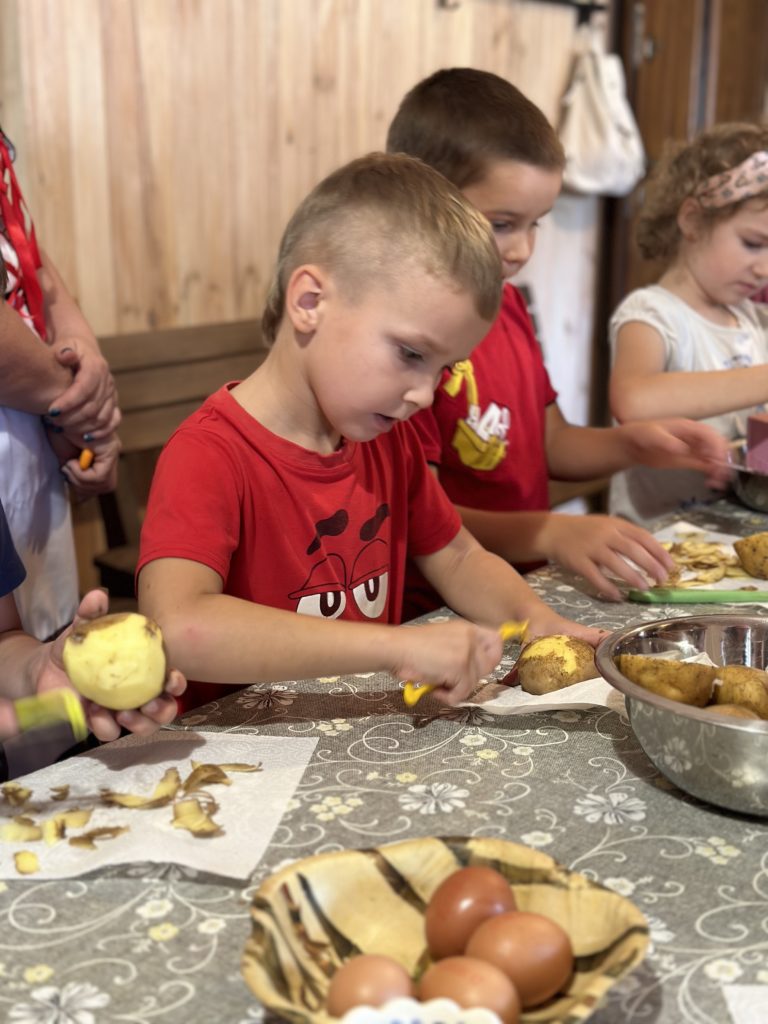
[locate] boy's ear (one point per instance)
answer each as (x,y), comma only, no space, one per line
(689,219)
(302,298)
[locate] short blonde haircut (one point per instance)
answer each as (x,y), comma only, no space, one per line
(379,219)
(684,169)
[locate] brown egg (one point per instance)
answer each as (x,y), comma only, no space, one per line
(532,950)
(367,980)
(471,983)
(460,903)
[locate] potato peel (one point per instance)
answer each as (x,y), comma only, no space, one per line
(15,794)
(699,562)
(54,831)
(194,814)
(189,814)
(21,830)
(88,839)
(205,775)
(164,792)
(56,828)
(26,862)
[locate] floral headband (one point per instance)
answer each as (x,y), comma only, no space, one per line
(750,178)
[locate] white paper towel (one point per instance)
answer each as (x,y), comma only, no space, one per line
(507,700)
(747,1004)
(250,808)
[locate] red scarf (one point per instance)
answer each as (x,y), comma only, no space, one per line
(15,215)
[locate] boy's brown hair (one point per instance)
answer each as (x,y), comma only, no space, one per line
(683,169)
(383,217)
(460,120)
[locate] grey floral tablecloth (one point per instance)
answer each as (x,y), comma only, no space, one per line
(149,943)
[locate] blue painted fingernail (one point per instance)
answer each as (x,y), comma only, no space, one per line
(57,430)
(87,437)
(54,412)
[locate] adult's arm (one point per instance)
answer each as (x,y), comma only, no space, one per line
(31,377)
(89,402)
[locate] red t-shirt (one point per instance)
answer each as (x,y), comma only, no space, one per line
(486,428)
(283,526)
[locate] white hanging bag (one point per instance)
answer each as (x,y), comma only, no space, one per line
(603,148)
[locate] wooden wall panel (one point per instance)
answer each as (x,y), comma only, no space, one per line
(163,144)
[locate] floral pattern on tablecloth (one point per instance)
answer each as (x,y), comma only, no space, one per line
(161,944)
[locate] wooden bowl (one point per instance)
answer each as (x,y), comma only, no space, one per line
(314,914)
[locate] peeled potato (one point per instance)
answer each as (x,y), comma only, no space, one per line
(685,682)
(117,661)
(552,662)
(744,686)
(753,554)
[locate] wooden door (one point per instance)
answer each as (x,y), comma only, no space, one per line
(662,45)
(690,64)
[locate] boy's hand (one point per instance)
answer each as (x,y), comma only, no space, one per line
(546,622)
(89,405)
(452,656)
(679,444)
(104,724)
(595,546)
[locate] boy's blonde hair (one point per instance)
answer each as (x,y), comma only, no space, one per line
(379,219)
(683,171)
(461,120)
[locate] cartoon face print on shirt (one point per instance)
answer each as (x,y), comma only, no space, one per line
(332,581)
(481,438)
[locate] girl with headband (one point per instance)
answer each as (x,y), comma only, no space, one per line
(695,344)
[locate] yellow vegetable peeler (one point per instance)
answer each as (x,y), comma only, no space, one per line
(412,692)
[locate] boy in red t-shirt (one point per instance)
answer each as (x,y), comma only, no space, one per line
(303,489)
(495,432)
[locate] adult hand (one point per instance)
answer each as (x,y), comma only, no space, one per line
(89,404)
(105,724)
(100,476)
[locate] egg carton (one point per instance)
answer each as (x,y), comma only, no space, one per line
(409,1011)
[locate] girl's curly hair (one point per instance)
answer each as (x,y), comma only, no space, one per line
(683,169)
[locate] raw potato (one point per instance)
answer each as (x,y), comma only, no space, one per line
(744,686)
(753,554)
(685,682)
(117,661)
(552,662)
(732,711)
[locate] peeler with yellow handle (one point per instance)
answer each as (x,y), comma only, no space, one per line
(413,692)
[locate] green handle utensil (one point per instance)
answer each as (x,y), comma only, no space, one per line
(670,595)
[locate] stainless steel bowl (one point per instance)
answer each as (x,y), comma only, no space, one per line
(750,487)
(723,761)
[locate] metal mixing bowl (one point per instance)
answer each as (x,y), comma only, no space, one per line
(721,760)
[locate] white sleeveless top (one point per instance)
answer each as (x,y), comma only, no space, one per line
(691,344)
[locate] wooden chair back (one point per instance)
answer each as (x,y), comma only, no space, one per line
(162,377)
